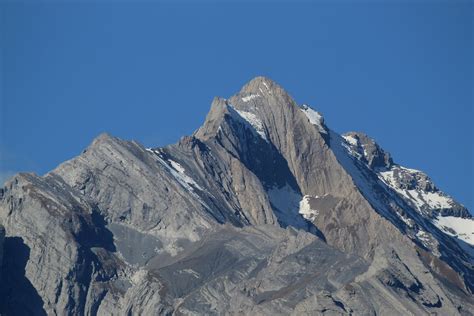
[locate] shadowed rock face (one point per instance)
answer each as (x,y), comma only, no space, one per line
(263,210)
(19,297)
(2,244)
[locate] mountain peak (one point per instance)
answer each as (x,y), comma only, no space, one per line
(262,87)
(103,137)
(319,222)
(261,102)
(260,82)
(213,119)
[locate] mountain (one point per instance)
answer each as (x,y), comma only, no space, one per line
(263,210)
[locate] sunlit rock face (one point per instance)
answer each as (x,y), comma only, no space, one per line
(263,210)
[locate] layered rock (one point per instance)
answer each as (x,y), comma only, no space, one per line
(263,210)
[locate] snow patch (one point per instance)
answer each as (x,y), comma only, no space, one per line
(286,201)
(305,209)
(191,272)
(351,140)
(423,236)
(178,172)
(314,117)
(436,200)
(255,122)
(426,239)
(418,198)
(462,228)
(410,170)
(388,178)
(410,223)
(250,97)
(350,149)
(176,166)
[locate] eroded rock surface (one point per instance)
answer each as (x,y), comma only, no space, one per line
(264,210)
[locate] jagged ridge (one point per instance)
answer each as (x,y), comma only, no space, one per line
(199,226)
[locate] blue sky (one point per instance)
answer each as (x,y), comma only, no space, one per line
(403,73)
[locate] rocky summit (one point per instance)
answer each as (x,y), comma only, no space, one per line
(264,210)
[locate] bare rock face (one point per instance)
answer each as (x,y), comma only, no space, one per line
(263,210)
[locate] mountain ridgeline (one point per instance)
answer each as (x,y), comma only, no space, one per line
(264,210)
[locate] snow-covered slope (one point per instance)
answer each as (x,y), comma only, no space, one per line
(417,188)
(461,228)
(314,117)
(418,191)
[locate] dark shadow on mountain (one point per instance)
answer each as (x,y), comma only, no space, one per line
(17,294)
(266,161)
(94,258)
(95,233)
(105,237)
(262,157)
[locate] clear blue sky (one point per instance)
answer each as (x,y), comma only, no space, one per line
(403,73)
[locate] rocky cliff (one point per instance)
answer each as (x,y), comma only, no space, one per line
(263,210)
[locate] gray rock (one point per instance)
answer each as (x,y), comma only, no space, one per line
(370,151)
(263,210)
